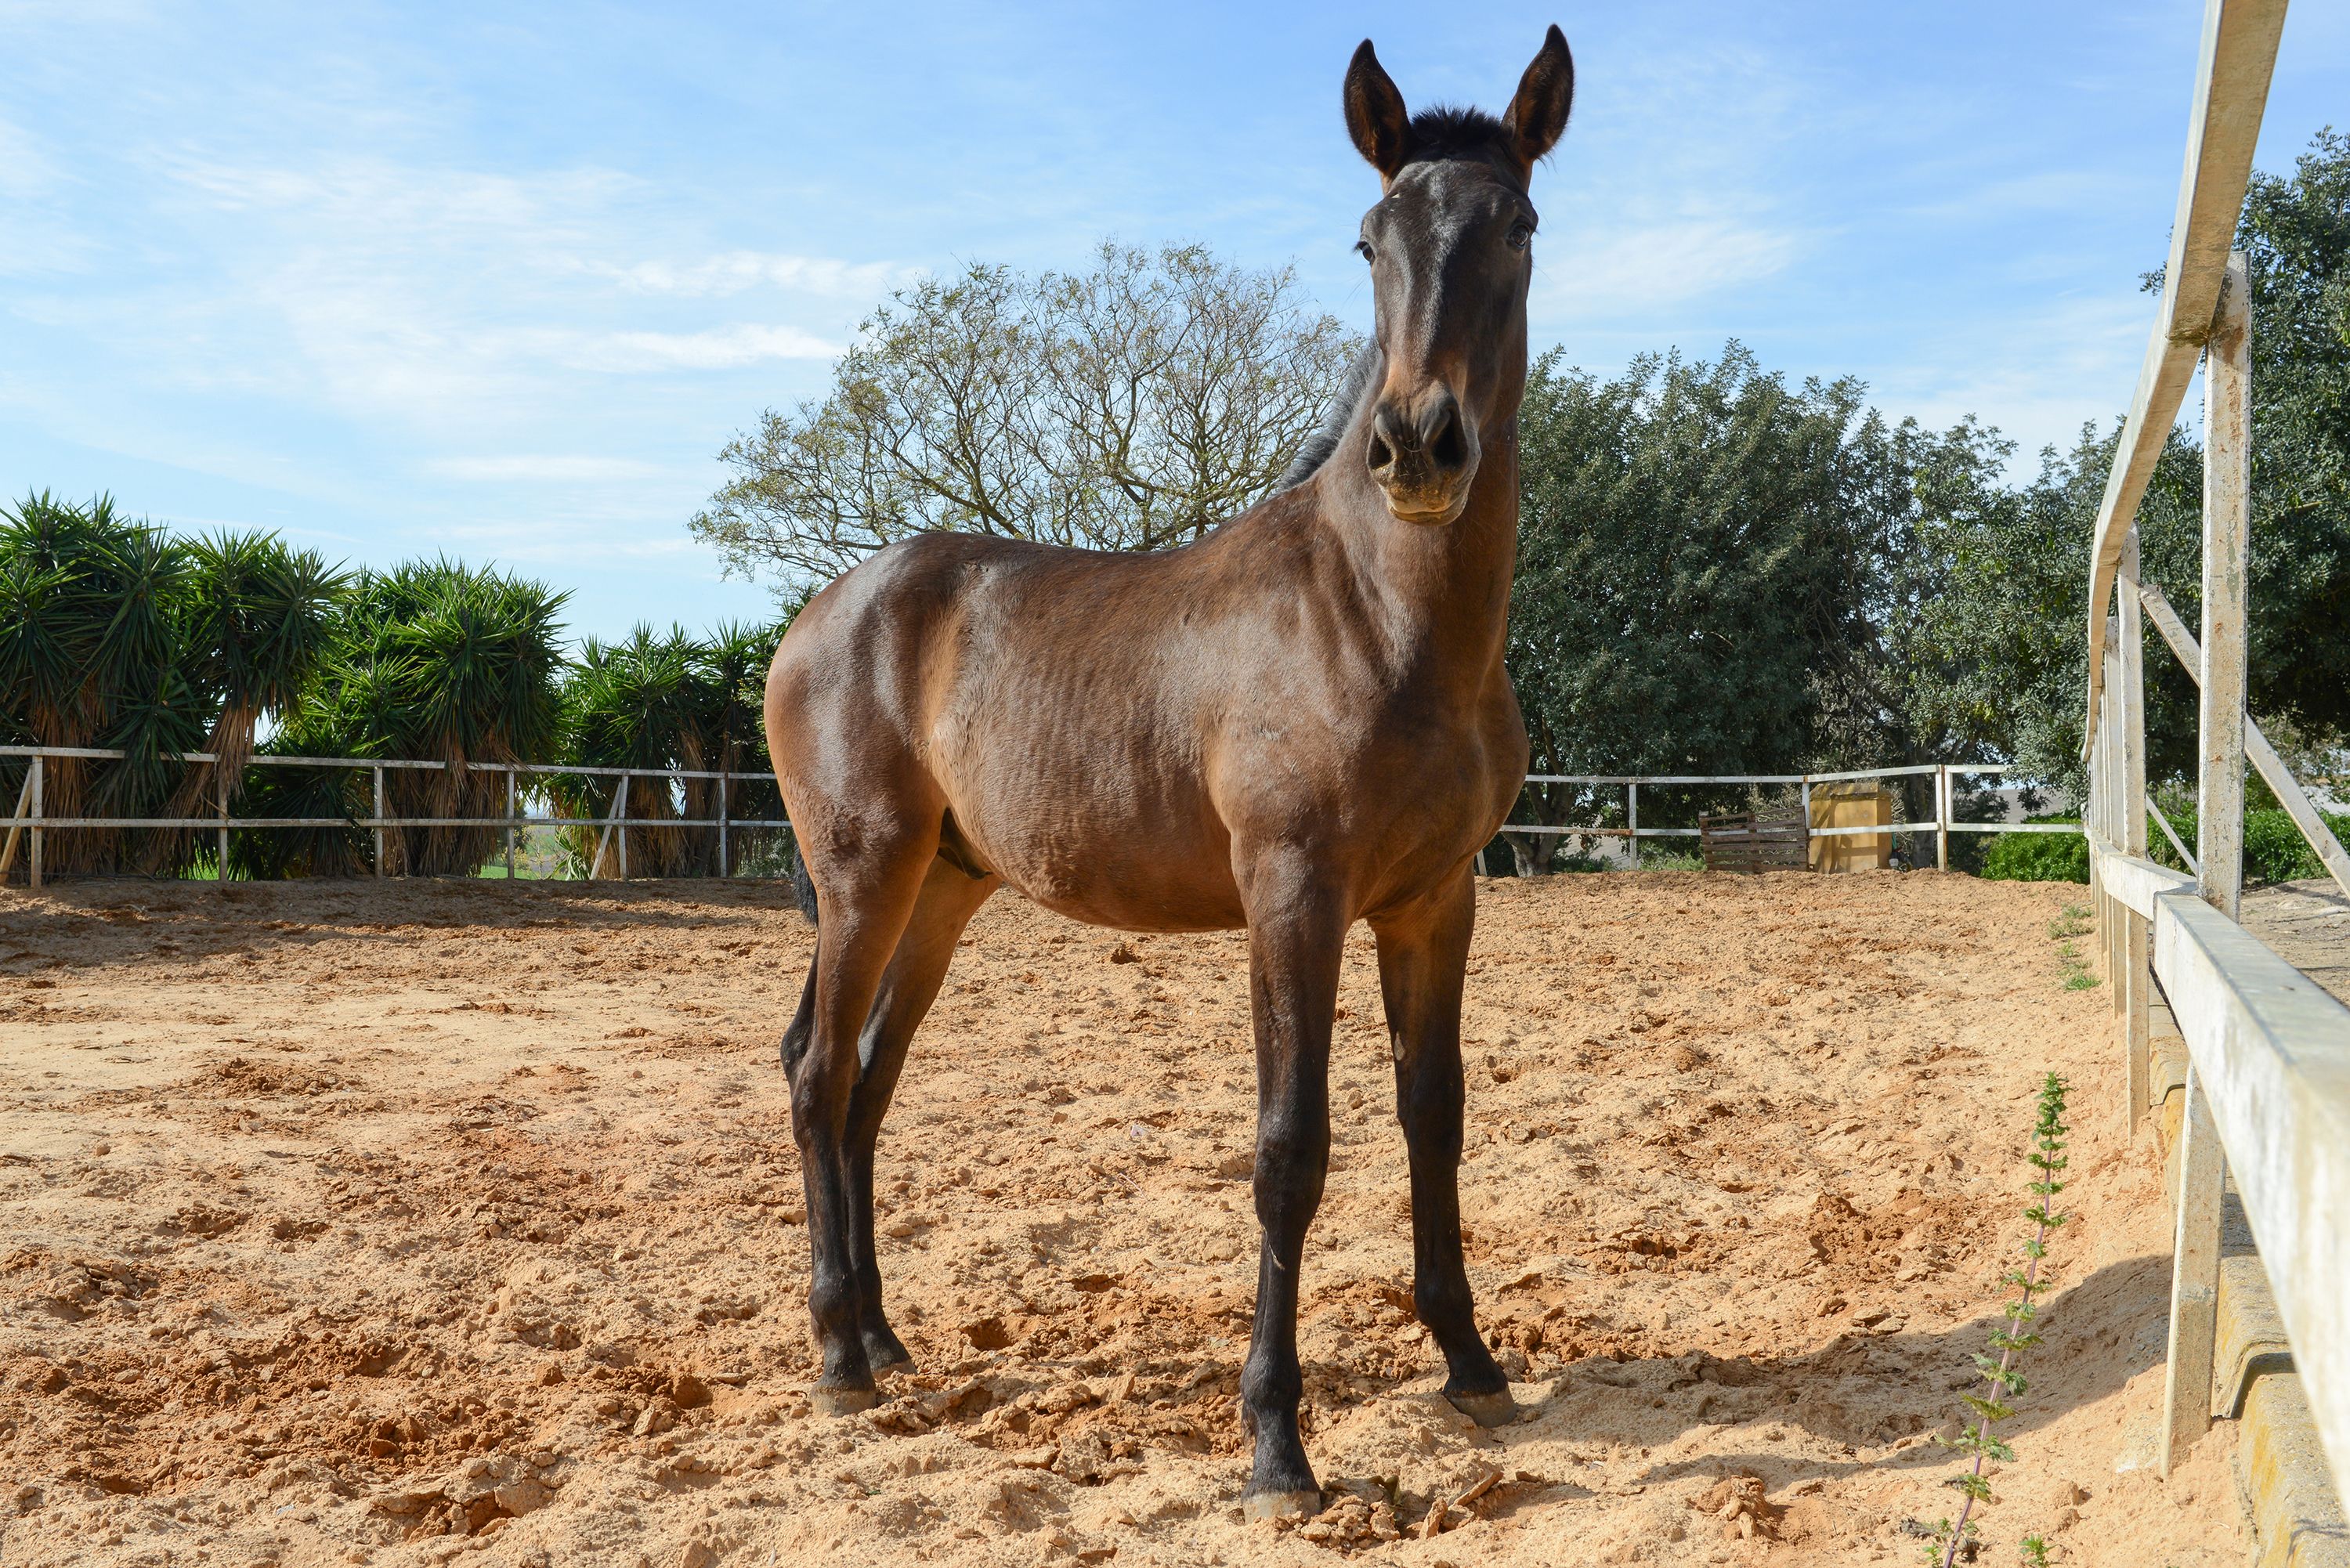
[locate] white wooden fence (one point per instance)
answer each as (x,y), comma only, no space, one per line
(28,820)
(2268,1084)
(1942,827)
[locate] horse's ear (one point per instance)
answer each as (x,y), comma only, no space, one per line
(1376,117)
(1538,113)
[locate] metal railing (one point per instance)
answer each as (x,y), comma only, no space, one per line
(29,821)
(2267,1097)
(1942,825)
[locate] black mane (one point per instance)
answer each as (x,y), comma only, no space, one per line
(1443,132)
(1325,440)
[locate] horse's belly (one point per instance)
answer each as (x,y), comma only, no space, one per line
(1132,858)
(1132,878)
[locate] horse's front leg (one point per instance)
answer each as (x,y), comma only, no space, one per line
(1296,930)
(1423,959)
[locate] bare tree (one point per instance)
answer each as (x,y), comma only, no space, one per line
(1129,407)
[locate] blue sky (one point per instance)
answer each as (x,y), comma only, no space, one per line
(499,281)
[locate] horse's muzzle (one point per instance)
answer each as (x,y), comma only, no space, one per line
(1424,458)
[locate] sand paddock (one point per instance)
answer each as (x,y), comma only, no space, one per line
(427,1221)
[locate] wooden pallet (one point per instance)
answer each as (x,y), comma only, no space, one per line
(1745,841)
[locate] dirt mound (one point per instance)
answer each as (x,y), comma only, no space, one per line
(384,1223)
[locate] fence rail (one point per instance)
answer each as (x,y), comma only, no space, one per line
(29,821)
(1942,827)
(2267,1097)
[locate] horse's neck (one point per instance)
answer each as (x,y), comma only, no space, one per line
(1440,595)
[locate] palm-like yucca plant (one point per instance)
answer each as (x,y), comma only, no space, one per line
(632,704)
(432,660)
(733,672)
(90,655)
(484,660)
(351,708)
(665,700)
(257,618)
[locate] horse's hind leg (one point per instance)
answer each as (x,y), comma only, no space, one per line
(948,901)
(870,895)
(1423,957)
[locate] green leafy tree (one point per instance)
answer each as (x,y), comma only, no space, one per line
(1988,630)
(1702,572)
(2296,236)
(1128,406)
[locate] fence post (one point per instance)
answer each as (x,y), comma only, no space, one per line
(220,790)
(2194,1278)
(1807,821)
(1632,820)
(2137,972)
(377,772)
(16,823)
(33,866)
(1942,817)
(2227,485)
(722,825)
(622,805)
(510,826)
(2112,921)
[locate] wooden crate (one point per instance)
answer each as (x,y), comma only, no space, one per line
(1746,841)
(1852,803)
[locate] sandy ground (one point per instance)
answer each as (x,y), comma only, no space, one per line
(2308,923)
(412,1224)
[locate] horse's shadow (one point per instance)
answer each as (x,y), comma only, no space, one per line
(1873,1396)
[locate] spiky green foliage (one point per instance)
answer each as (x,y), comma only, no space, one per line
(667,701)
(432,660)
(2001,1381)
(90,656)
(257,619)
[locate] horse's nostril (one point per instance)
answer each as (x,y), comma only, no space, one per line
(1381,455)
(1450,445)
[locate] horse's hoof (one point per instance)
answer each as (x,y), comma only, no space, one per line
(1282,1504)
(842,1401)
(1486,1410)
(890,1368)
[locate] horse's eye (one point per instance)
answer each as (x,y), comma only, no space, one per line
(1363,249)
(1521,235)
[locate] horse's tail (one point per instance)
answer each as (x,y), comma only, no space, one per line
(802,887)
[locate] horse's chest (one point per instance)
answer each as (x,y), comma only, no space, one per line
(1405,774)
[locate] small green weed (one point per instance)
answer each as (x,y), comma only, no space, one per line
(2001,1381)
(2033,1551)
(2074,923)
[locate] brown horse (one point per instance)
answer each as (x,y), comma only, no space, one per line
(1297,723)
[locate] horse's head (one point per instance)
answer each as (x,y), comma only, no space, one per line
(1451,246)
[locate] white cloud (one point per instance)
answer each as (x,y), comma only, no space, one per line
(458,302)
(541,468)
(2083,363)
(736,272)
(716,349)
(1665,262)
(26,170)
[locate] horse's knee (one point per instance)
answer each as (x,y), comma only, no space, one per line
(1292,1161)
